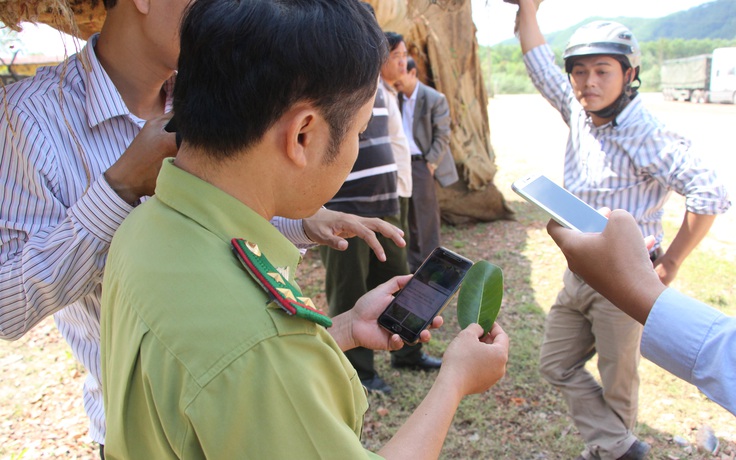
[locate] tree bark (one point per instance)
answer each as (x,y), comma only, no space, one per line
(80,18)
(440,36)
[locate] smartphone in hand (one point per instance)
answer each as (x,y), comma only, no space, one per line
(425,295)
(564,207)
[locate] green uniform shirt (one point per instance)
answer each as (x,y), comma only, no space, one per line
(196,361)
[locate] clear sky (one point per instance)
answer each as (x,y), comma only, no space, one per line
(495,19)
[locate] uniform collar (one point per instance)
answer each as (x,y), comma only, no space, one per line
(221,214)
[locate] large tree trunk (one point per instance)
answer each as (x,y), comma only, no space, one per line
(440,35)
(81,18)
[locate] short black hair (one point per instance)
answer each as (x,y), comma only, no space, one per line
(410,64)
(393,40)
(244,63)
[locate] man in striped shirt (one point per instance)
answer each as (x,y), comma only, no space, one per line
(82,145)
(618,156)
(370,190)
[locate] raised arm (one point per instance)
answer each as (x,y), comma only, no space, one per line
(530,35)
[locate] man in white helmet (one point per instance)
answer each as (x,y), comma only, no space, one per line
(618,156)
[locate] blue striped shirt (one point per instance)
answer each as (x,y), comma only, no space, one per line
(631,163)
(61,131)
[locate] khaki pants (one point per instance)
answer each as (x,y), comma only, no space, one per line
(580,324)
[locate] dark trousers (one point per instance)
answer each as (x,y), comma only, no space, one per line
(404,209)
(352,273)
(424,215)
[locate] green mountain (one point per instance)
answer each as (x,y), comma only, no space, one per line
(711,20)
(698,30)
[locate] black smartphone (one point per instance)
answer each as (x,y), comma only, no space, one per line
(564,207)
(425,295)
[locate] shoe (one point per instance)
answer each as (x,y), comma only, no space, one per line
(638,451)
(376,384)
(424,363)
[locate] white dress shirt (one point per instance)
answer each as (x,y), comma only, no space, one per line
(399,145)
(407,117)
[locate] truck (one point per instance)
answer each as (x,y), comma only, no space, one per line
(701,78)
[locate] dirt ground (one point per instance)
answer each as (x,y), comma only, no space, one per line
(41,414)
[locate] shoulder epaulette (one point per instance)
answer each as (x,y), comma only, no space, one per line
(277,286)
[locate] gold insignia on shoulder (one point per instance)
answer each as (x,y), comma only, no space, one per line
(277,277)
(306,301)
(253,248)
(287,293)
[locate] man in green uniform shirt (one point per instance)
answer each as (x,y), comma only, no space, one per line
(198,360)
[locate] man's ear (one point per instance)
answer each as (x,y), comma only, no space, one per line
(630,75)
(143,6)
(301,133)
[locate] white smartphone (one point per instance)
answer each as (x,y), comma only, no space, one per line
(564,207)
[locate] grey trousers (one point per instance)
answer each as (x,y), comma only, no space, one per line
(580,324)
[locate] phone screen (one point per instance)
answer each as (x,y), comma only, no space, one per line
(426,294)
(563,206)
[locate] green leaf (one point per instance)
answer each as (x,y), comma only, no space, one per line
(480,295)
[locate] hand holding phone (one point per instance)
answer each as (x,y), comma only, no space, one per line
(425,295)
(564,207)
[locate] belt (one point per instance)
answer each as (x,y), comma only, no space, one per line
(417,158)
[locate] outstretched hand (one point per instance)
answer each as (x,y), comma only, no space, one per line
(359,327)
(332,228)
(615,262)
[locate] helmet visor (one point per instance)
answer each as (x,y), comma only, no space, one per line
(598,48)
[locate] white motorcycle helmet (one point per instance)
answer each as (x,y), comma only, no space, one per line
(611,39)
(603,37)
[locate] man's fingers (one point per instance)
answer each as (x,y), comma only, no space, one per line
(555,230)
(392,232)
(370,238)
